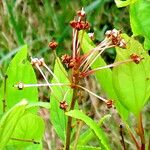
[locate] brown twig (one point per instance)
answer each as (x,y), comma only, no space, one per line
(122,137)
(140,131)
(133,138)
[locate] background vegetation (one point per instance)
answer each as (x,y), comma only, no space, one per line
(36,22)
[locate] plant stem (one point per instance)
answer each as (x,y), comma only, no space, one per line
(68,132)
(149,144)
(141,132)
(4,97)
(122,137)
(25,140)
(133,138)
(77,134)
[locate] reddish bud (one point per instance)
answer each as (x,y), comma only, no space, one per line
(136,58)
(68,61)
(80,25)
(109,103)
(72,63)
(66,58)
(53,45)
(63,105)
(115,37)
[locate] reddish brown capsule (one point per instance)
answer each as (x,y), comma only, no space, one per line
(53,45)
(136,58)
(109,103)
(80,25)
(72,63)
(66,58)
(115,37)
(63,105)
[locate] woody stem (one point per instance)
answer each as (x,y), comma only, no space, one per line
(141,132)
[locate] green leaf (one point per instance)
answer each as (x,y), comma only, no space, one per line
(131,80)
(121,3)
(38,104)
(30,147)
(29,127)
(19,70)
(104,77)
(88,148)
(139,19)
(57,115)
(9,122)
(88,134)
(35,147)
(97,130)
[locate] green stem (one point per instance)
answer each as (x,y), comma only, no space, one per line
(77,135)
(25,140)
(4,97)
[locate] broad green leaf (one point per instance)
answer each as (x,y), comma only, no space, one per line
(9,122)
(139,19)
(57,115)
(104,77)
(93,126)
(19,70)
(121,3)
(131,80)
(34,147)
(88,135)
(29,127)
(30,147)
(38,104)
(87,148)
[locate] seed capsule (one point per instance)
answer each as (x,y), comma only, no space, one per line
(81,25)
(137,59)
(109,103)
(63,105)
(53,45)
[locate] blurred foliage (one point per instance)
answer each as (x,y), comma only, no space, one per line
(36,22)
